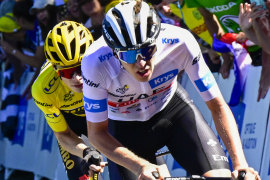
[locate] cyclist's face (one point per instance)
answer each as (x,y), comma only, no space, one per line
(141,70)
(75,83)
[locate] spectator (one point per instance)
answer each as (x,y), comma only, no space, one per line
(11,34)
(254,21)
(6,6)
(29,23)
(73,12)
(224,21)
(46,13)
(93,10)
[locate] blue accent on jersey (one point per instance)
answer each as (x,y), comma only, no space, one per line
(205,82)
(163,78)
(92,105)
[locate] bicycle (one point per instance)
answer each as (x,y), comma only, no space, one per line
(197,177)
(161,152)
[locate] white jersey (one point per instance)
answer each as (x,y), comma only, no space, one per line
(111,92)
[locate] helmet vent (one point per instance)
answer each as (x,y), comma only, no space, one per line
(50,42)
(138,6)
(55,56)
(150,23)
(59,32)
(63,50)
(73,48)
(138,34)
(82,34)
(82,49)
(70,28)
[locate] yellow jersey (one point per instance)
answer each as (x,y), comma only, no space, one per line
(55,99)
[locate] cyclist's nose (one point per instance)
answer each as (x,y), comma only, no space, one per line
(140,61)
(77,76)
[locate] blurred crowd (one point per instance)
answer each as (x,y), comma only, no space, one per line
(24,25)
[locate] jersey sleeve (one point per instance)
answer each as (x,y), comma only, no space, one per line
(198,71)
(53,116)
(94,89)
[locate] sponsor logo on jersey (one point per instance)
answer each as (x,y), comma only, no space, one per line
(52,85)
(76,111)
(69,163)
(221,8)
(122,90)
(68,97)
(92,105)
(105,57)
(52,116)
(132,100)
(163,78)
(217,157)
(211,142)
(42,103)
(196,59)
(170,41)
(205,82)
(72,104)
(90,83)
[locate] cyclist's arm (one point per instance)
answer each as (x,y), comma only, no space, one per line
(227,130)
(71,142)
(115,151)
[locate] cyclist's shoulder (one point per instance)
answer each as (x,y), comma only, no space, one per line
(178,32)
(99,58)
(46,83)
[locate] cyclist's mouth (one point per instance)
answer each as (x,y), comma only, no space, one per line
(78,86)
(144,73)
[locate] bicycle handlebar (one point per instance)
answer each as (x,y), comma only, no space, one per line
(241,176)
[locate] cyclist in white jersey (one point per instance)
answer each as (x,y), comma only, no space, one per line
(130,82)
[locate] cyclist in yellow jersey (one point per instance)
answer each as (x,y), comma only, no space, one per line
(58,93)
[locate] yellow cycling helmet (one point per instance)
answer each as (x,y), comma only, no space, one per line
(66,44)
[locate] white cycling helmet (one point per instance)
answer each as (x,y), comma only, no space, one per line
(130,25)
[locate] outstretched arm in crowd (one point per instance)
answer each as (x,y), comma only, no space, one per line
(254,21)
(214,27)
(34,61)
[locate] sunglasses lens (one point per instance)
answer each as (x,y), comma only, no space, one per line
(68,73)
(148,52)
(130,56)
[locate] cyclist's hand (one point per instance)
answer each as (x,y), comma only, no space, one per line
(250,174)
(91,158)
(95,168)
(148,171)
